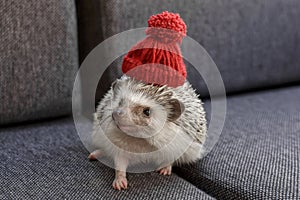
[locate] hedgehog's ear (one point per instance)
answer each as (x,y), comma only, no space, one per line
(176,109)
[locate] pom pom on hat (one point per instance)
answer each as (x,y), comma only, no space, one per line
(167,21)
(157,58)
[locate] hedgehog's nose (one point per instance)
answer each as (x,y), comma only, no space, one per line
(118,113)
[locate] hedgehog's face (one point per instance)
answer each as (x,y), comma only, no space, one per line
(137,114)
(139,120)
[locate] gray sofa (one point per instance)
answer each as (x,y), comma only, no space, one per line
(256,46)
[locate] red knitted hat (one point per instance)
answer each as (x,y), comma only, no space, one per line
(157,58)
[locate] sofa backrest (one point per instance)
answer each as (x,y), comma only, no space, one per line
(255,44)
(38,59)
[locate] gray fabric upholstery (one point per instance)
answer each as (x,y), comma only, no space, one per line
(89,26)
(254,43)
(39,59)
(258,153)
(48,161)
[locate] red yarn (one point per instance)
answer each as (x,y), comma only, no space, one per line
(165,22)
(157,59)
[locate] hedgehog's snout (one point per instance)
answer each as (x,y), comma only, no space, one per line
(118,113)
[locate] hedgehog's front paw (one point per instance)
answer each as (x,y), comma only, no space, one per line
(120,182)
(94,155)
(165,170)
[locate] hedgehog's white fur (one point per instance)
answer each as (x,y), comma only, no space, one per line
(173,137)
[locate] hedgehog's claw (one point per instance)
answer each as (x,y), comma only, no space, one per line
(165,170)
(120,183)
(94,155)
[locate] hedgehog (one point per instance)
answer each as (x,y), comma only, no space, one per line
(137,123)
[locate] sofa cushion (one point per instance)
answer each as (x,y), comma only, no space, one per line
(253,43)
(258,153)
(39,59)
(48,161)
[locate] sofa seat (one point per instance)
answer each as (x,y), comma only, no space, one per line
(48,161)
(256,157)
(258,153)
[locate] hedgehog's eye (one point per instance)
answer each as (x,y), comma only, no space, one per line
(146,112)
